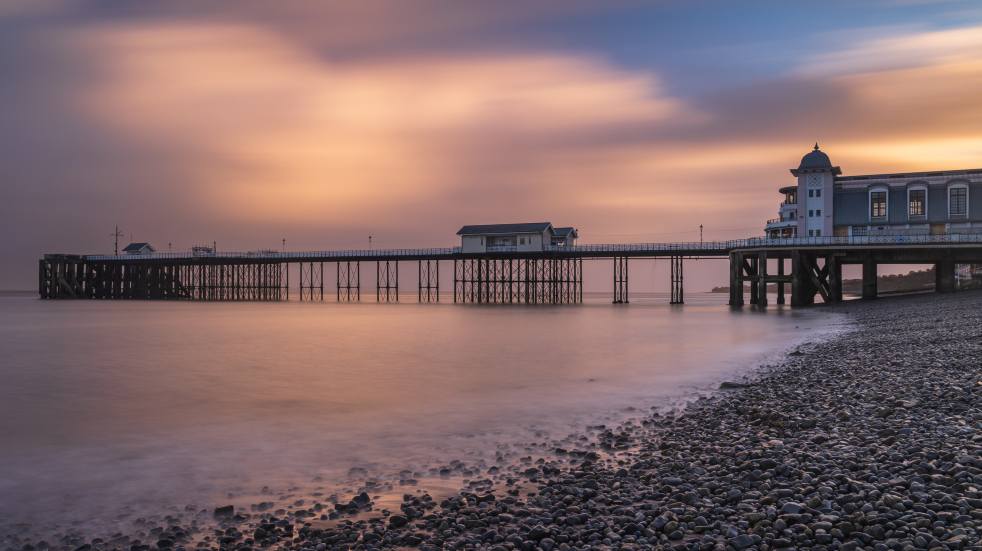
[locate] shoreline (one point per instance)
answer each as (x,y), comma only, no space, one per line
(692,479)
(868,440)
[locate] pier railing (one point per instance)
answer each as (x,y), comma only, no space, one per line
(289,255)
(858,240)
(686,248)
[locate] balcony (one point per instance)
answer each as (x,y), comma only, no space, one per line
(778,223)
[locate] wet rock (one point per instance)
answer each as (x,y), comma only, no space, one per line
(225,511)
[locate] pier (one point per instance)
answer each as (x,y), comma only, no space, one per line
(806,268)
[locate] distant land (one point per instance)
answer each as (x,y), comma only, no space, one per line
(911,282)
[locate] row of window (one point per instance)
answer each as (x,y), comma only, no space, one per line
(814,233)
(814,193)
(814,213)
(917,203)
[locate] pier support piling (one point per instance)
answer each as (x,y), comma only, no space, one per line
(761,282)
(387,281)
(620,280)
(349,281)
(780,284)
(678,292)
(869,277)
(944,276)
(429,280)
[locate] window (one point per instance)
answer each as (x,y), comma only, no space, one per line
(860,230)
(818,212)
(878,204)
(916,202)
(811,193)
(811,214)
(811,233)
(521,240)
(958,202)
(818,233)
(818,193)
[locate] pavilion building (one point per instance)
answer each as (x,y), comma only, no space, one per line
(825,203)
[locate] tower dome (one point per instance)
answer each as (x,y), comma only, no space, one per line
(815,159)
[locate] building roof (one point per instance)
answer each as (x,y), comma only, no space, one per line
(815,158)
(564,232)
(910,175)
(816,161)
(496,229)
(135,247)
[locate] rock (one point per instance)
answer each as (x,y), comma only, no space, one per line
(225,511)
(538,532)
(792,508)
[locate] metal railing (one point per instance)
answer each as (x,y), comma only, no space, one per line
(860,240)
(694,247)
(288,255)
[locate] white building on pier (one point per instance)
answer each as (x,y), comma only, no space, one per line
(522,237)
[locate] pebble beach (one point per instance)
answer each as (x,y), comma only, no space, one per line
(871,439)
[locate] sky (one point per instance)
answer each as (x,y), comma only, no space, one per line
(248,122)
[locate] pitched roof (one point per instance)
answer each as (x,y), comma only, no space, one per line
(565,232)
(136,246)
(492,229)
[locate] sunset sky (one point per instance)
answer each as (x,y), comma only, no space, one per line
(325,122)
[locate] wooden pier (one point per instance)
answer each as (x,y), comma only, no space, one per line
(808,268)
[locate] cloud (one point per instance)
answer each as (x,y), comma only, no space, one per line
(248,125)
(277,134)
(900,49)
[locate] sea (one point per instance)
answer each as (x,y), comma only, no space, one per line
(112,411)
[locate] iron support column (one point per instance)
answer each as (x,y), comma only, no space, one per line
(869,277)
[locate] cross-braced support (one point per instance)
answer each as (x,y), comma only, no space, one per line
(349,281)
(678,291)
(518,280)
(620,280)
(387,281)
(429,280)
(311,280)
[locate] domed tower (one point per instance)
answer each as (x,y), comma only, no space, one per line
(816,186)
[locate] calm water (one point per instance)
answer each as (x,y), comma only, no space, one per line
(140,406)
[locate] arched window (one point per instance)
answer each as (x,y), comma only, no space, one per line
(878,203)
(958,201)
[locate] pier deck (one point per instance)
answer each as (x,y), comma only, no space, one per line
(811,266)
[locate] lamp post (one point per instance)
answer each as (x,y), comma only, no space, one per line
(700,235)
(369,242)
(116,235)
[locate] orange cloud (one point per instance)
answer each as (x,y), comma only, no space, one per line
(274,134)
(293,136)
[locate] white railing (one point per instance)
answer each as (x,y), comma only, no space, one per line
(694,247)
